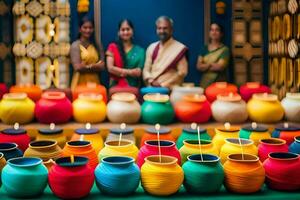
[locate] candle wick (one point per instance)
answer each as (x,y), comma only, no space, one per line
(200,147)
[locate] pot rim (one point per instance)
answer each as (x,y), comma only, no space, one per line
(171,143)
(253,84)
(217,158)
(15,96)
(265,97)
(74,142)
(250,158)
(36,160)
(265,141)
(221,84)
(293,95)
(209,142)
(123,96)
(127,143)
(156,97)
(194,131)
(128,161)
(1,155)
(297,138)
(90,96)
(169,160)
(196,98)
(47,131)
(15,146)
(293,156)
(229,97)
(66,161)
(53,144)
(244,142)
(230,130)
(51,95)
(188,89)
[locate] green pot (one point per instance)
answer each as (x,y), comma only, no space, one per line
(157,112)
(191,134)
(203,176)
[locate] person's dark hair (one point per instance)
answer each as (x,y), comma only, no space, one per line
(82,21)
(219,25)
(119,41)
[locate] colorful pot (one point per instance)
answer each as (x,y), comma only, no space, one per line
(16,108)
(237,146)
(265,108)
(250,88)
(117,176)
(123,108)
(66,91)
(82,148)
(89,108)
(34,92)
(24,177)
(44,149)
(150,148)
(212,91)
(224,133)
(53,107)
(295,146)
(2,164)
(178,92)
(244,173)
(254,132)
(157,109)
(116,148)
(127,134)
(282,171)
(151,134)
(126,89)
(191,147)
(10,150)
(69,180)
(90,88)
(55,134)
(3,90)
(191,134)
(193,108)
(154,90)
(161,175)
(92,135)
(271,145)
(291,106)
(18,136)
(200,170)
(286,132)
(229,108)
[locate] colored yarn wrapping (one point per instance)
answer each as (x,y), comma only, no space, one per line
(212,91)
(161,178)
(255,136)
(270,145)
(287,135)
(22,140)
(118,176)
(90,88)
(10,150)
(95,139)
(222,134)
(53,107)
(191,134)
(44,149)
(243,176)
(282,171)
(3,90)
(168,148)
(151,134)
(34,92)
(198,171)
(247,92)
(295,146)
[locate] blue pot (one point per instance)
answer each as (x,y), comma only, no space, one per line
(295,146)
(117,175)
(10,150)
(152,90)
(24,177)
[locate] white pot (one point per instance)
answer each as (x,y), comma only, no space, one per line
(291,106)
(179,92)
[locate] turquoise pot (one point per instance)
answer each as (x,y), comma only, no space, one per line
(295,146)
(117,175)
(191,134)
(157,112)
(203,176)
(152,90)
(10,150)
(24,177)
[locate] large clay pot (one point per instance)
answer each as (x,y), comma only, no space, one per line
(44,149)
(178,92)
(123,108)
(71,180)
(18,136)
(201,169)
(10,150)
(282,171)
(2,164)
(157,109)
(229,108)
(126,89)
(254,132)
(161,175)
(127,134)
(151,134)
(154,90)
(243,173)
(3,90)
(193,108)
(167,148)
(191,134)
(191,147)
(286,132)
(53,107)
(55,134)
(24,177)
(212,91)
(117,176)
(271,145)
(265,108)
(16,108)
(223,133)
(90,88)
(34,92)
(295,146)
(236,146)
(291,105)
(250,88)
(89,108)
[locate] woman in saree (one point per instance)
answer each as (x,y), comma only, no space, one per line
(214,57)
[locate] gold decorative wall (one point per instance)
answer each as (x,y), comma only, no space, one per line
(247,41)
(284,36)
(42,42)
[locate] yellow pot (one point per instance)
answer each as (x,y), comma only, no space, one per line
(233,146)
(192,147)
(161,176)
(89,108)
(55,134)
(16,107)
(223,133)
(114,148)
(265,108)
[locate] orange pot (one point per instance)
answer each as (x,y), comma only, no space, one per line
(151,134)
(34,92)
(90,88)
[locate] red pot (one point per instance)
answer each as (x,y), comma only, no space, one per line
(3,89)
(212,91)
(69,180)
(193,108)
(251,88)
(271,145)
(18,136)
(90,88)
(282,171)
(151,134)
(168,148)
(53,107)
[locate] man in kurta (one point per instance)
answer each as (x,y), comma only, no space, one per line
(166,64)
